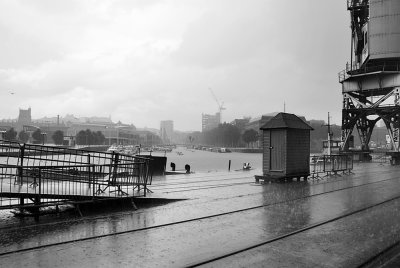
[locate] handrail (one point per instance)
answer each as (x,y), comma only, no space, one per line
(48,175)
(330,164)
(356,3)
(352,70)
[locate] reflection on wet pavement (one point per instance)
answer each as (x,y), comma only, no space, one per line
(191,240)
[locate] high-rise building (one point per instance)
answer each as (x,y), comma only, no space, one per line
(24,118)
(167,131)
(209,121)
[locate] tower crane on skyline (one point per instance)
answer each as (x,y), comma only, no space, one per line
(220,105)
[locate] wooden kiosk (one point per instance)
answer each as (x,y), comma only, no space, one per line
(286,148)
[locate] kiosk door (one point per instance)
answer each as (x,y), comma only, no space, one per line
(277,142)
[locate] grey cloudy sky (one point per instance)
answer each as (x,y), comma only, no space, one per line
(142,61)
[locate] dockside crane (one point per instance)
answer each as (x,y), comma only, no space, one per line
(220,105)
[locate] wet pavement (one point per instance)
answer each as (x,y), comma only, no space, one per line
(343,243)
(225,213)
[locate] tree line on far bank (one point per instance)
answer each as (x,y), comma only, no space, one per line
(38,136)
(228,135)
(83,137)
(225,135)
(88,137)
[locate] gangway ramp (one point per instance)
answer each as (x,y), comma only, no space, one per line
(37,175)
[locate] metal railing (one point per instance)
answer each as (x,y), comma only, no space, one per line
(381,158)
(356,69)
(35,175)
(356,3)
(330,165)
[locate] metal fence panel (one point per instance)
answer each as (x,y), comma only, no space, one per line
(42,175)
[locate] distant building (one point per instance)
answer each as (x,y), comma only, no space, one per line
(6,124)
(24,118)
(48,129)
(256,123)
(114,133)
(96,120)
(241,123)
(147,138)
(167,131)
(209,121)
(69,119)
(120,134)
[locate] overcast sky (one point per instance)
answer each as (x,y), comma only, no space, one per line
(142,61)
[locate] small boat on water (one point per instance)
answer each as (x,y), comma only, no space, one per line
(127,149)
(246,166)
(162,149)
(114,148)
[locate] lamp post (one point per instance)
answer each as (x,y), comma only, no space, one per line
(44,134)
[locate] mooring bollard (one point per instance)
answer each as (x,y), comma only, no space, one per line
(187,168)
(173,166)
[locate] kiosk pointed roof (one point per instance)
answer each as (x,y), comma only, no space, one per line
(285,120)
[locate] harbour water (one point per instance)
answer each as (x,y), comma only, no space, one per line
(201,162)
(205,161)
